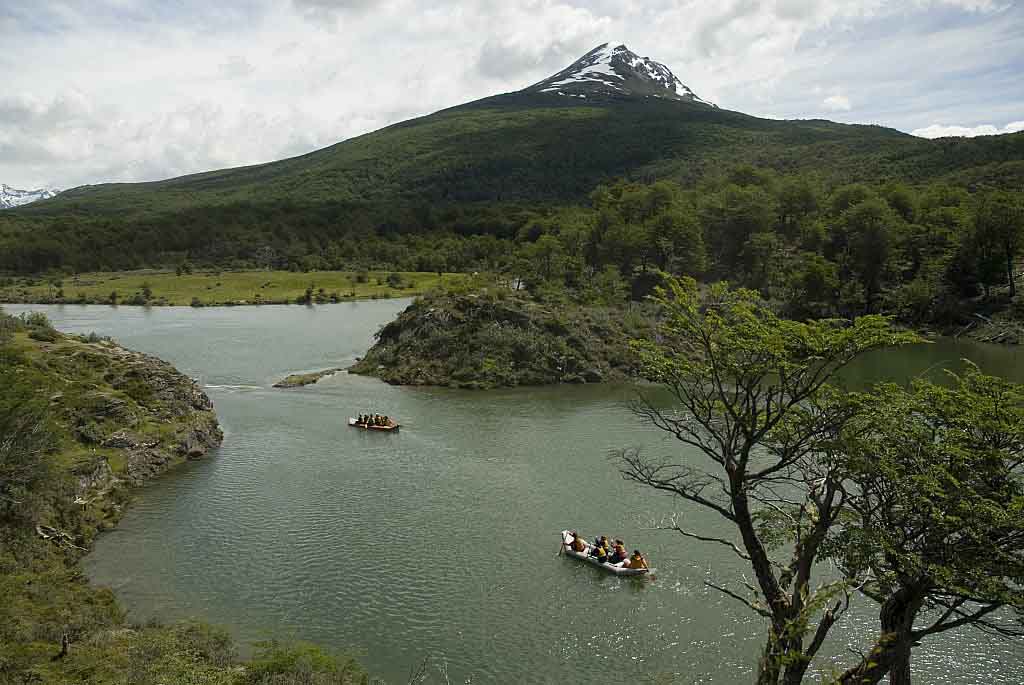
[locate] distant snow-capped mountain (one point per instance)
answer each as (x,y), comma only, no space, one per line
(613,69)
(12,197)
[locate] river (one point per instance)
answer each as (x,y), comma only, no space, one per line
(440,541)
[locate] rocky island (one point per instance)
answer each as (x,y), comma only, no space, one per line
(499,338)
(297,380)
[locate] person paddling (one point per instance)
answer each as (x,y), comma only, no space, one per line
(578,545)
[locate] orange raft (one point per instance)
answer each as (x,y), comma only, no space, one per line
(391,425)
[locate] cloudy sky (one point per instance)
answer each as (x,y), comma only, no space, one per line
(129,90)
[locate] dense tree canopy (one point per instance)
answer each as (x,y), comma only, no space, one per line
(935,532)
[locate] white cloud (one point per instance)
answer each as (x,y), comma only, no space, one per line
(195,86)
(941,131)
(837,103)
(236,66)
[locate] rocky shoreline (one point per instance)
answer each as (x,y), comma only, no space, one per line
(122,419)
(176,400)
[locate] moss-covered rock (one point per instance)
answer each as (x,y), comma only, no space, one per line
(297,380)
(499,338)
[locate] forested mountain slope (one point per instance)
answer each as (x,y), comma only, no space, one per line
(475,169)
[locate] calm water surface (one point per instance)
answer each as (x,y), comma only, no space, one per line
(440,541)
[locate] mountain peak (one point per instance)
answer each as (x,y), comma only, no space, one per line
(12,197)
(613,69)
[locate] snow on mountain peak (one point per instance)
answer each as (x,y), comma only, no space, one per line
(12,197)
(613,69)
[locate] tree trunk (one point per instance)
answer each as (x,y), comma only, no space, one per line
(1009,273)
(768,668)
(796,671)
(891,653)
(65,646)
(899,674)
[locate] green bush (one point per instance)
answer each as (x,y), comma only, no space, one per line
(36,320)
(44,334)
(301,664)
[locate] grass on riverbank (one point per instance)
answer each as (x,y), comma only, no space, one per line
(81,420)
(161,287)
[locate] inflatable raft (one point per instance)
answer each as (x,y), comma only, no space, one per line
(618,569)
(392,426)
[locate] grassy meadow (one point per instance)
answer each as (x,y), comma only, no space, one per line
(162,287)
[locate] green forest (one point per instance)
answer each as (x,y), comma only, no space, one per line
(932,253)
(823,218)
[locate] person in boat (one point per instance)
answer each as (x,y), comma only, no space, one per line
(385,421)
(578,545)
(598,552)
(637,560)
(619,554)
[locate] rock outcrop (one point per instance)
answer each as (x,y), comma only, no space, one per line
(121,417)
(297,380)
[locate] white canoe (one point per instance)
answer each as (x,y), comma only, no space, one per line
(618,569)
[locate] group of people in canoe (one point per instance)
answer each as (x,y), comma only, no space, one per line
(605,552)
(373,420)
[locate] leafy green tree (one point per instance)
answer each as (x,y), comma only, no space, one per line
(730,217)
(798,200)
(902,200)
(936,531)
(608,287)
(547,258)
(762,258)
(811,287)
(752,401)
(999,229)
(867,231)
(844,197)
(745,175)
(678,242)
